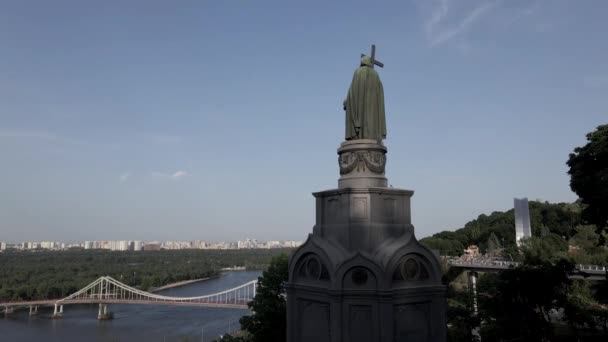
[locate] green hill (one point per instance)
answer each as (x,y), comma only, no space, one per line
(554,227)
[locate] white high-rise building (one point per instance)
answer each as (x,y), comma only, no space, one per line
(2,245)
(123,245)
(522,220)
(47,245)
(137,246)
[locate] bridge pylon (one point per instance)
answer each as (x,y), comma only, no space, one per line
(58,311)
(8,310)
(103,312)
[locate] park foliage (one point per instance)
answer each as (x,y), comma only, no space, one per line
(26,275)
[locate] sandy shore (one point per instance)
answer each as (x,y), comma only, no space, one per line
(177,284)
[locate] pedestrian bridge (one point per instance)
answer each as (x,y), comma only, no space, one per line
(107,290)
(590,272)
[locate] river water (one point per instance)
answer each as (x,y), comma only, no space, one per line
(134,322)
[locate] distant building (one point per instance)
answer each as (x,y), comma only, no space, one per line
(292,244)
(2,245)
(152,247)
(522,220)
(198,244)
(124,245)
(273,244)
(247,243)
(137,246)
(471,252)
(48,245)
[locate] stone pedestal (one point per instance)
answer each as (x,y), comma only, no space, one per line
(362,163)
(362,275)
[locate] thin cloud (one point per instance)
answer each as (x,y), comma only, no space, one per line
(439,31)
(177,175)
(124,177)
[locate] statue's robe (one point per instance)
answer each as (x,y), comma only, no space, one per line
(364,106)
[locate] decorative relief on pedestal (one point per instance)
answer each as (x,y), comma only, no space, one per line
(411,268)
(374,161)
(311,268)
(359,208)
(359,278)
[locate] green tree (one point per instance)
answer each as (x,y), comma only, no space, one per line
(516,304)
(585,237)
(268,323)
(589,178)
(444,246)
(539,250)
(494,246)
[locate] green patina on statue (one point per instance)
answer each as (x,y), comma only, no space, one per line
(364,104)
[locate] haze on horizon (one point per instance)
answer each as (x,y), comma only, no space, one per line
(216,120)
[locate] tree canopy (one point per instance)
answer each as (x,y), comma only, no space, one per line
(589,177)
(268,323)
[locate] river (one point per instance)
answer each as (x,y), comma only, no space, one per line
(134,322)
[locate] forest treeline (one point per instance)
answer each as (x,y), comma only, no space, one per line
(56,274)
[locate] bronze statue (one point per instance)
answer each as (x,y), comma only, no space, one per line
(364,104)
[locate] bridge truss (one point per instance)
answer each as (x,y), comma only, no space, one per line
(107,290)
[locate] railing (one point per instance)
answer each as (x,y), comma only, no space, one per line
(592,268)
(490,263)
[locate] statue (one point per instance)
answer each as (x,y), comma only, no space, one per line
(364,104)
(362,276)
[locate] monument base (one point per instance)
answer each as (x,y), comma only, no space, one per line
(362,275)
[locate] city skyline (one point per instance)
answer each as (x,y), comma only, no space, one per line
(220,119)
(142,245)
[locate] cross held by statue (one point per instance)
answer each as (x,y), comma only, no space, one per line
(373,58)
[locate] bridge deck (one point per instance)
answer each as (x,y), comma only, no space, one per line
(238,305)
(107,290)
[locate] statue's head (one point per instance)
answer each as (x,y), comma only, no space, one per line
(367,61)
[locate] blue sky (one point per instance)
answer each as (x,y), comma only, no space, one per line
(217,119)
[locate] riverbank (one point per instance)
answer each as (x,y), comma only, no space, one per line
(178,284)
(155,323)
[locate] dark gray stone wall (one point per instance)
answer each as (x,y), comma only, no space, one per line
(362,275)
